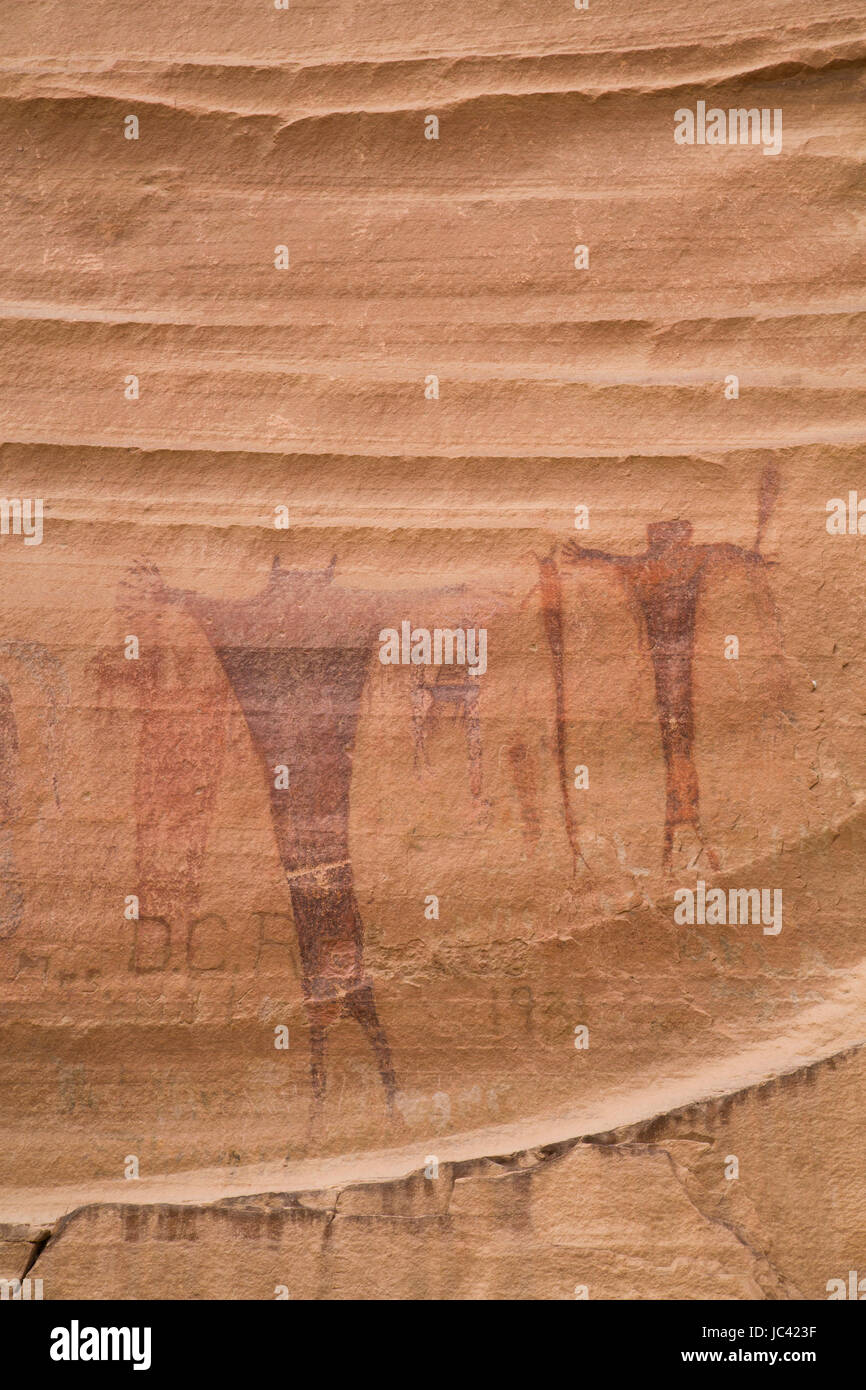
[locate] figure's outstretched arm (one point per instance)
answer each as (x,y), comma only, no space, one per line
(573,554)
(724,558)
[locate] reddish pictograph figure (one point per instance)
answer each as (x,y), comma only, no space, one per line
(550,593)
(664,584)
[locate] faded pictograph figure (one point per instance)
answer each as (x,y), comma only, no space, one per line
(47,673)
(297,656)
(524,776)
(181,709)
(663,585)
(458,695)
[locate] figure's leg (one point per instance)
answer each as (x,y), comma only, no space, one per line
(708,849)
(318,1075)
(667,851)
(321,1013)
(331,942)
(681,787)
(361,1005)
(694,824)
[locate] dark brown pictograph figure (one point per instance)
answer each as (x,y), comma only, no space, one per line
(664,584)
(297,656)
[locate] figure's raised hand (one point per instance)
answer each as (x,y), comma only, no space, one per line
(573,552)
(142,587)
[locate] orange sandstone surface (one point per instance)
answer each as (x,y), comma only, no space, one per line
(337,341)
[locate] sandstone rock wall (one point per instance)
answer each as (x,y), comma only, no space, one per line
(285,372)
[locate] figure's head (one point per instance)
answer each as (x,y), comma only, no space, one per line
(662,535)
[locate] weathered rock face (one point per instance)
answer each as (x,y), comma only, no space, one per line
(639,1213)
(332,348)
